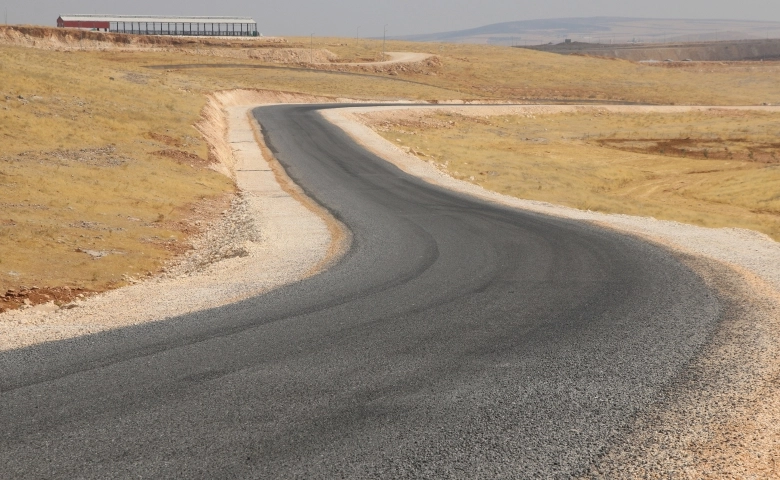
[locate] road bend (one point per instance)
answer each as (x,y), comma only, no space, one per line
(455,338)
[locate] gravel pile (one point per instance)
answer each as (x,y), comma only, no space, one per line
(233,235)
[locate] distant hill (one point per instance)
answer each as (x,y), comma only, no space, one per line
(606,30)
(720,51)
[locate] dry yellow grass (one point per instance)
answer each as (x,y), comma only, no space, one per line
(78,170)
(80,140)
(483,72)
(712,168)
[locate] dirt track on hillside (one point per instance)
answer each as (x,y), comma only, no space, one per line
(393,57)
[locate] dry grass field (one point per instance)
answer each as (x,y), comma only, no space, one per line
(715,168)
(98,153)
(98,170)
(484,72)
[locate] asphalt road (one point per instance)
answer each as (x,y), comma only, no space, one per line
(455,339)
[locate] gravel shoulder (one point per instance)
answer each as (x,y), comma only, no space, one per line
(270,236)
(721,418)
(745,249)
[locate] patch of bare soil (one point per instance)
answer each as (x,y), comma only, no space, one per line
(715,149)
(54,297)
(166,139)
(184,158)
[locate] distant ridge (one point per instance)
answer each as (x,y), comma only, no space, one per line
(605,30)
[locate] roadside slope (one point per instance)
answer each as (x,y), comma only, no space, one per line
(271,235)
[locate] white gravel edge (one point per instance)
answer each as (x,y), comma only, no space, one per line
(740,248)
(291,243)
(727,402)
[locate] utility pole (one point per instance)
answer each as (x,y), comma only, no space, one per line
(357,37)
(311,50)
(384,40)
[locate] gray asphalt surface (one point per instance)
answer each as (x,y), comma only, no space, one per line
(455,339)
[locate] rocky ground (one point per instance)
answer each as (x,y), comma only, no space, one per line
(231,236)
(40,299)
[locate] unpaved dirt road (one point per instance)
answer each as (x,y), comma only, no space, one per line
(393,57)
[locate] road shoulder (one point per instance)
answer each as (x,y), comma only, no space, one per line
(271,236)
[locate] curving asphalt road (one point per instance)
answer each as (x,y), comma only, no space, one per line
(456,338)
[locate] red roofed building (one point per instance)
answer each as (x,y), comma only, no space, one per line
(75,21)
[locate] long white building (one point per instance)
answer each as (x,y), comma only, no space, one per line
(157,25)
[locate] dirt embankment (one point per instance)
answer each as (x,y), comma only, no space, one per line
(265,49)
(67,38)
(701,51)
(421,64)
(213,124)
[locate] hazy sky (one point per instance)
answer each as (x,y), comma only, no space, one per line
(342,18)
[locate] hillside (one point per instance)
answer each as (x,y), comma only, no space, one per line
(605,30)
(722,51)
